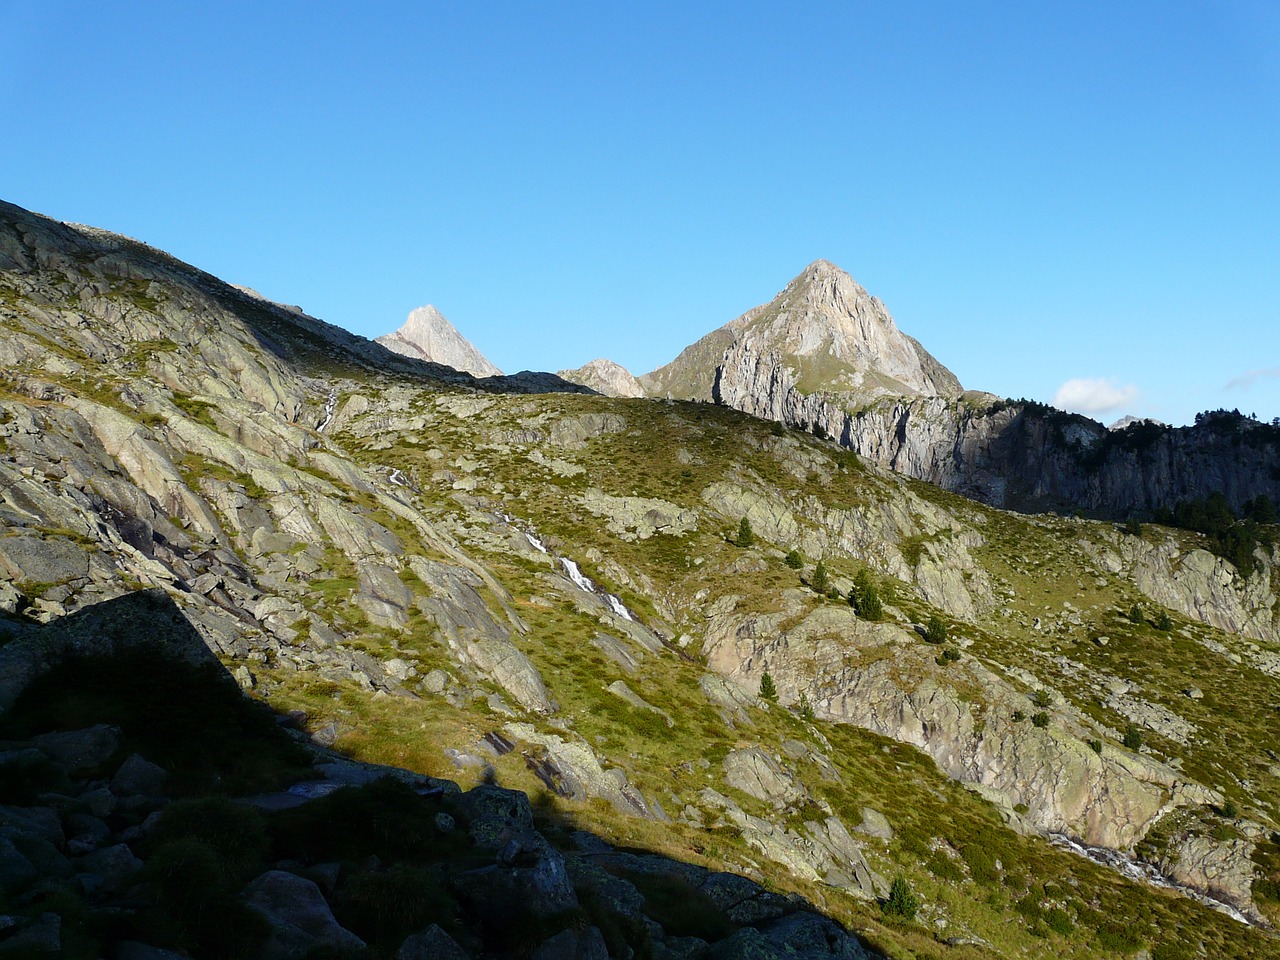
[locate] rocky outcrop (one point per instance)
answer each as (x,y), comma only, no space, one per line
(605,377)
(427,335)
(858,674)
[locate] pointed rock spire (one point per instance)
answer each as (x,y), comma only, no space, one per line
(427,335)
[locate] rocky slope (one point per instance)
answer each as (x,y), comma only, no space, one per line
(479,582)
(606,378)
(427,335)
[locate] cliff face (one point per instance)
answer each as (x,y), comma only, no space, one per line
(1018,456)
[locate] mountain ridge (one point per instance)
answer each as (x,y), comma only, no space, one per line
(555,588)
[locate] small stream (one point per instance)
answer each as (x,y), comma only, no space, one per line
(1144,872)
(572,571)
(330,405)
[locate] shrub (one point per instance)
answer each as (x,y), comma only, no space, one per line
(1133,738)
(1040,719)
(1230,810)
(804,707)
(235,832)
(901,902)
(1133,527)
(1042,698)
(1164,622)
(745,535)
(935,631)
(794,560)
(1136,615)
(768,690)
(949,655)
(1018,716)
(1095,746)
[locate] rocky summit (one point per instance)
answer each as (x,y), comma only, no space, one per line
(524,670)
(427,335)
(823,333)
(605,377)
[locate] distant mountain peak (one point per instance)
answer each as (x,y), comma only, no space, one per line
(606,377)
(427,335)
(829,333)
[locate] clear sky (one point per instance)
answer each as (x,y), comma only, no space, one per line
(1041,193)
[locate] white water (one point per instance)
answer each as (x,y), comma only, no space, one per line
(580,579)
(1144,872)
(330,404)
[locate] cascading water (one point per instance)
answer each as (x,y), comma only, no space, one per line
(330,405)
(1143,872)
(573,571)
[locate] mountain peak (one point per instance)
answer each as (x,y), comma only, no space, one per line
(606,377)
(427,335)
(826,330)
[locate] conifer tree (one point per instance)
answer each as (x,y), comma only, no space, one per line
(768,690)
(745,535)
(820,583)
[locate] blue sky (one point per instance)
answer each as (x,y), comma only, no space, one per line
(1040,193)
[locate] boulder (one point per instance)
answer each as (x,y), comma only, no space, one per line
(82,752)
(431,944)
(573,944)
(138,776)
(759,775)
(299,916)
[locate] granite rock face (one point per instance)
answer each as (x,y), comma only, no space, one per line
(605,377)
(427,335)
(825,331)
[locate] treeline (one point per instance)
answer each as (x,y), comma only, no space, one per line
(1232,536)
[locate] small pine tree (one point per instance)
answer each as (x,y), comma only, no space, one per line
(768,690)
(1164,622)
(820,583)
(794,560)
(804,707)
(864,597)
(745,535)
(901,902)
(1136,615)
(935,631)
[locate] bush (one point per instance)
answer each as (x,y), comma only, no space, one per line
(1136,615)
(1164,622)
(234,832)
(1040,719)
(794,560)
(745,535)
(1095,746)
(1018,716)
(949,655)
(804,707)
(901,902)
(935,631)
(1133,738)
(1042,698)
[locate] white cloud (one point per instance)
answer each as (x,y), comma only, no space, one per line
(1099,395)
(1247,380)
